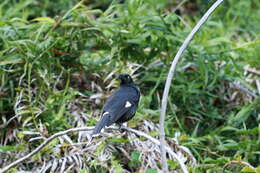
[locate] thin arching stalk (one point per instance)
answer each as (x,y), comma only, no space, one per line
(169,79)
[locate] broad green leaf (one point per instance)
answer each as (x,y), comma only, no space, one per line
(135,156)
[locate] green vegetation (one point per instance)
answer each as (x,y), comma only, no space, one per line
(55,55)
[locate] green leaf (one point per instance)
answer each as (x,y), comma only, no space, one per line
(242,115)
(248,169)
(47,20)
(12,148)
(172,164)
(117,166)
(13,61)
(118,140)
(135,156)
(151,170)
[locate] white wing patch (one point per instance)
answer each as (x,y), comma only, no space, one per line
(105,113)
(128,104)
(95,135)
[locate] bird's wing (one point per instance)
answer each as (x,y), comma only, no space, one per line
(112,111)
(117,105)
(122,101)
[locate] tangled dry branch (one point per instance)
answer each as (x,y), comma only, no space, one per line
(48,140)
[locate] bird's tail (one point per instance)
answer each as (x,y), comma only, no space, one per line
(101,124)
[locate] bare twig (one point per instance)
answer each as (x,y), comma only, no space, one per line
(252,70)
(247,90)
(170,76)
(48,140)
(258,85)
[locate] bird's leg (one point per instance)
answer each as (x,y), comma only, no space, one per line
(121,125)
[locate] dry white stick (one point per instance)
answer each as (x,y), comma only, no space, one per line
(252,70)
(258,86)
(169,79)
(242,87)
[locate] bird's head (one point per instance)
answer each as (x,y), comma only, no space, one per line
(125,79)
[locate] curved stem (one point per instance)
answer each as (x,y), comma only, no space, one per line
(169,79)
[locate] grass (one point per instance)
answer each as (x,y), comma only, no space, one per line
(52,53)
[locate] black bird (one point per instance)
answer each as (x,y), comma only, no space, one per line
(121,105)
